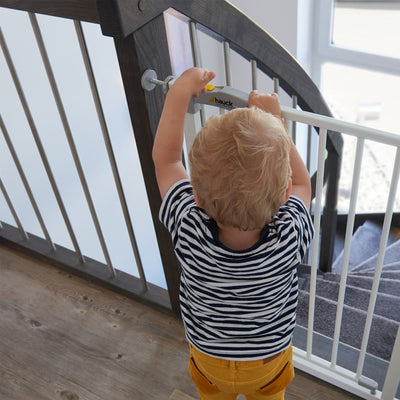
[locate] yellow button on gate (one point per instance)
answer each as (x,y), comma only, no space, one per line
(210,87)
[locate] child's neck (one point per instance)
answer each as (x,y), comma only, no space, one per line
(236,239)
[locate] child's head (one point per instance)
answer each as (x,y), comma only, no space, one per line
(240,168)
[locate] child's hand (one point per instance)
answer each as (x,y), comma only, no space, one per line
(268,103)
(193,81)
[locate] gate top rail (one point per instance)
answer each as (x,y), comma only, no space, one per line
(337,125)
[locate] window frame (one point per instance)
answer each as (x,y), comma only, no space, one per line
(327,51)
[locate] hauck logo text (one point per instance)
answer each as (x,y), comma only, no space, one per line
(223,103)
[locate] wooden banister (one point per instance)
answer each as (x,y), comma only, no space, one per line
(81,10)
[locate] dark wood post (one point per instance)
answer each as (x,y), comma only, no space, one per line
(329,217)
(148,48)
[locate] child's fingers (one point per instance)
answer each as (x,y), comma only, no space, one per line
(252,96)
(208,76)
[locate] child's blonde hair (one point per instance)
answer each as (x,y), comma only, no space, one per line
(240,167)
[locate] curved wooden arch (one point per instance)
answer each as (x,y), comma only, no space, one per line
(119,18)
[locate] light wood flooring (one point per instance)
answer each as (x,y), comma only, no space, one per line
(62,337)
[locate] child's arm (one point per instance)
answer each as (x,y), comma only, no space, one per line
(301,184)
(167,150)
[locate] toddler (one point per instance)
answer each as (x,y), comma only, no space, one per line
(240,227)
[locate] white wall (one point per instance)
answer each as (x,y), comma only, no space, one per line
(278,18)
(290,22)
(305,37)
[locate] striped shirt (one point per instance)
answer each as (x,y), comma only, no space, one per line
(237,305)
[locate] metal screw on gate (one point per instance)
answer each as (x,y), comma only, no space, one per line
(149,81)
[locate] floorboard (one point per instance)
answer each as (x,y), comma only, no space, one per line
(62,337)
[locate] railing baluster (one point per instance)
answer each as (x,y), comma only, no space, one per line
(276,85)
(254,74)
(309,140)
(12,210)
(227,67)
(68,133)
(110,151)
(379,263)
(194,42)
(39,145)
(227,63)
(315,243)
(294,124)
(347,247)
(26,183)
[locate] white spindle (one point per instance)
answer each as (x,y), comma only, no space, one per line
(347,247)
(315,245)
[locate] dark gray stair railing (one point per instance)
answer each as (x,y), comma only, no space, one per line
(140,37)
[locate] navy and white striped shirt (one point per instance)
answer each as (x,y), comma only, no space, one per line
(237,305)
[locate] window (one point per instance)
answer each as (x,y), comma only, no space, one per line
(373,26)
(358,57)
(357,66)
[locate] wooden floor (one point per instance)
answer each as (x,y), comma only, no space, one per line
(62,337)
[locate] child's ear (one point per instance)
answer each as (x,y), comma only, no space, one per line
(196,199)
(288,190)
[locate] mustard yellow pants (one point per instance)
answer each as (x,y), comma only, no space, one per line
(218,379)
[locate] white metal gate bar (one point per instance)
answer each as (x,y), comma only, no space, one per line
(306,360)
(315,243)
(347,247)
